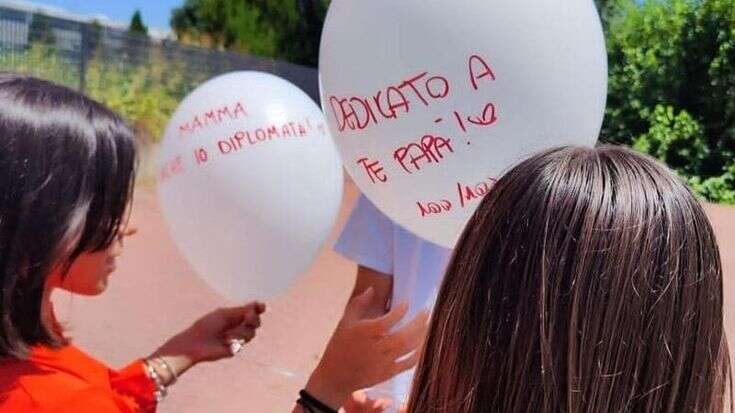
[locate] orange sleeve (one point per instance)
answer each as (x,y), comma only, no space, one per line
(90,400)
(94,400)
(25,388)
(134,387)
(132,392)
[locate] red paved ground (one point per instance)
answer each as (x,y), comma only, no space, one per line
(155,294)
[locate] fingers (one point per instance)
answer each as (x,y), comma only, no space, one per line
(256,306)
(358,306)
(359,397)
(359,402)
(259,307)
(242,314)
(251,320)
(382,405)
(236,338)
(243,332)
(408,338)
(244,321)
(384,323)
(406,364)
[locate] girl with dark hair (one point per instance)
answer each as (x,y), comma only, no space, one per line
(67,170)
(589,280)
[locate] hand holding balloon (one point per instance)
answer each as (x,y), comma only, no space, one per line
(208,338)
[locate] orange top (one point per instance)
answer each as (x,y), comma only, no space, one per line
(68,380)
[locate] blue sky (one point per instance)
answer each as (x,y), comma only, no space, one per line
(156,13)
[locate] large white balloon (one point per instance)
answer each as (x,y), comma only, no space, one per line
(249,182)
(430,101)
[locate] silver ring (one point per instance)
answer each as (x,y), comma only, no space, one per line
(236,345)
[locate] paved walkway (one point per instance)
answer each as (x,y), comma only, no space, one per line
(155,294)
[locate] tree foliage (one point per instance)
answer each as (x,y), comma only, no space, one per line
(284,29)
(137,26)
(672,87)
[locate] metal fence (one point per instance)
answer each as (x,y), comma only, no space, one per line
(67,51)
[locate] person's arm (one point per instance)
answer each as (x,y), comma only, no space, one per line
(382,285)
(208,339)
(363,351)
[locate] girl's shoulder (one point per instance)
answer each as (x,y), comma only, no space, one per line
(66,368)
(45,377)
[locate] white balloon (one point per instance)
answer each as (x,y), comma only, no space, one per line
(250,182)
(430,101)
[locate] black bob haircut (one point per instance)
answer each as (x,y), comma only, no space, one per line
(67,171)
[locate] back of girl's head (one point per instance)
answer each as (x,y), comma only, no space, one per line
(67,167)
(589,280)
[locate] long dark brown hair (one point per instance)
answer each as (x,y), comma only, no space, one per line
(589,280)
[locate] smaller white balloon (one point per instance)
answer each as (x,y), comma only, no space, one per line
(250,183)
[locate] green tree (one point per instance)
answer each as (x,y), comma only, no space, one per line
(719,188)
(672,86)
(41,61)
(285,29)
(137,42)
(137,26)
(603,6)
(675,138)
(302,42)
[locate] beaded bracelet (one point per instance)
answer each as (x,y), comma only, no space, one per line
(161,390)
(163,363)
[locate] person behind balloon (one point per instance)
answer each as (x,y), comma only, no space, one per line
(588,280)
(67,170)
(400,267)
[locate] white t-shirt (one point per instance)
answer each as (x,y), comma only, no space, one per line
(372,240)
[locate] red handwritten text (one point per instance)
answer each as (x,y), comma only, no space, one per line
(434,208)
(374,170)
(430,149)
(465,195)
(214,116)
(357,113)
(488,117)
(171,169)
(479,69)
(267,133)
(469,193)
(201,156)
